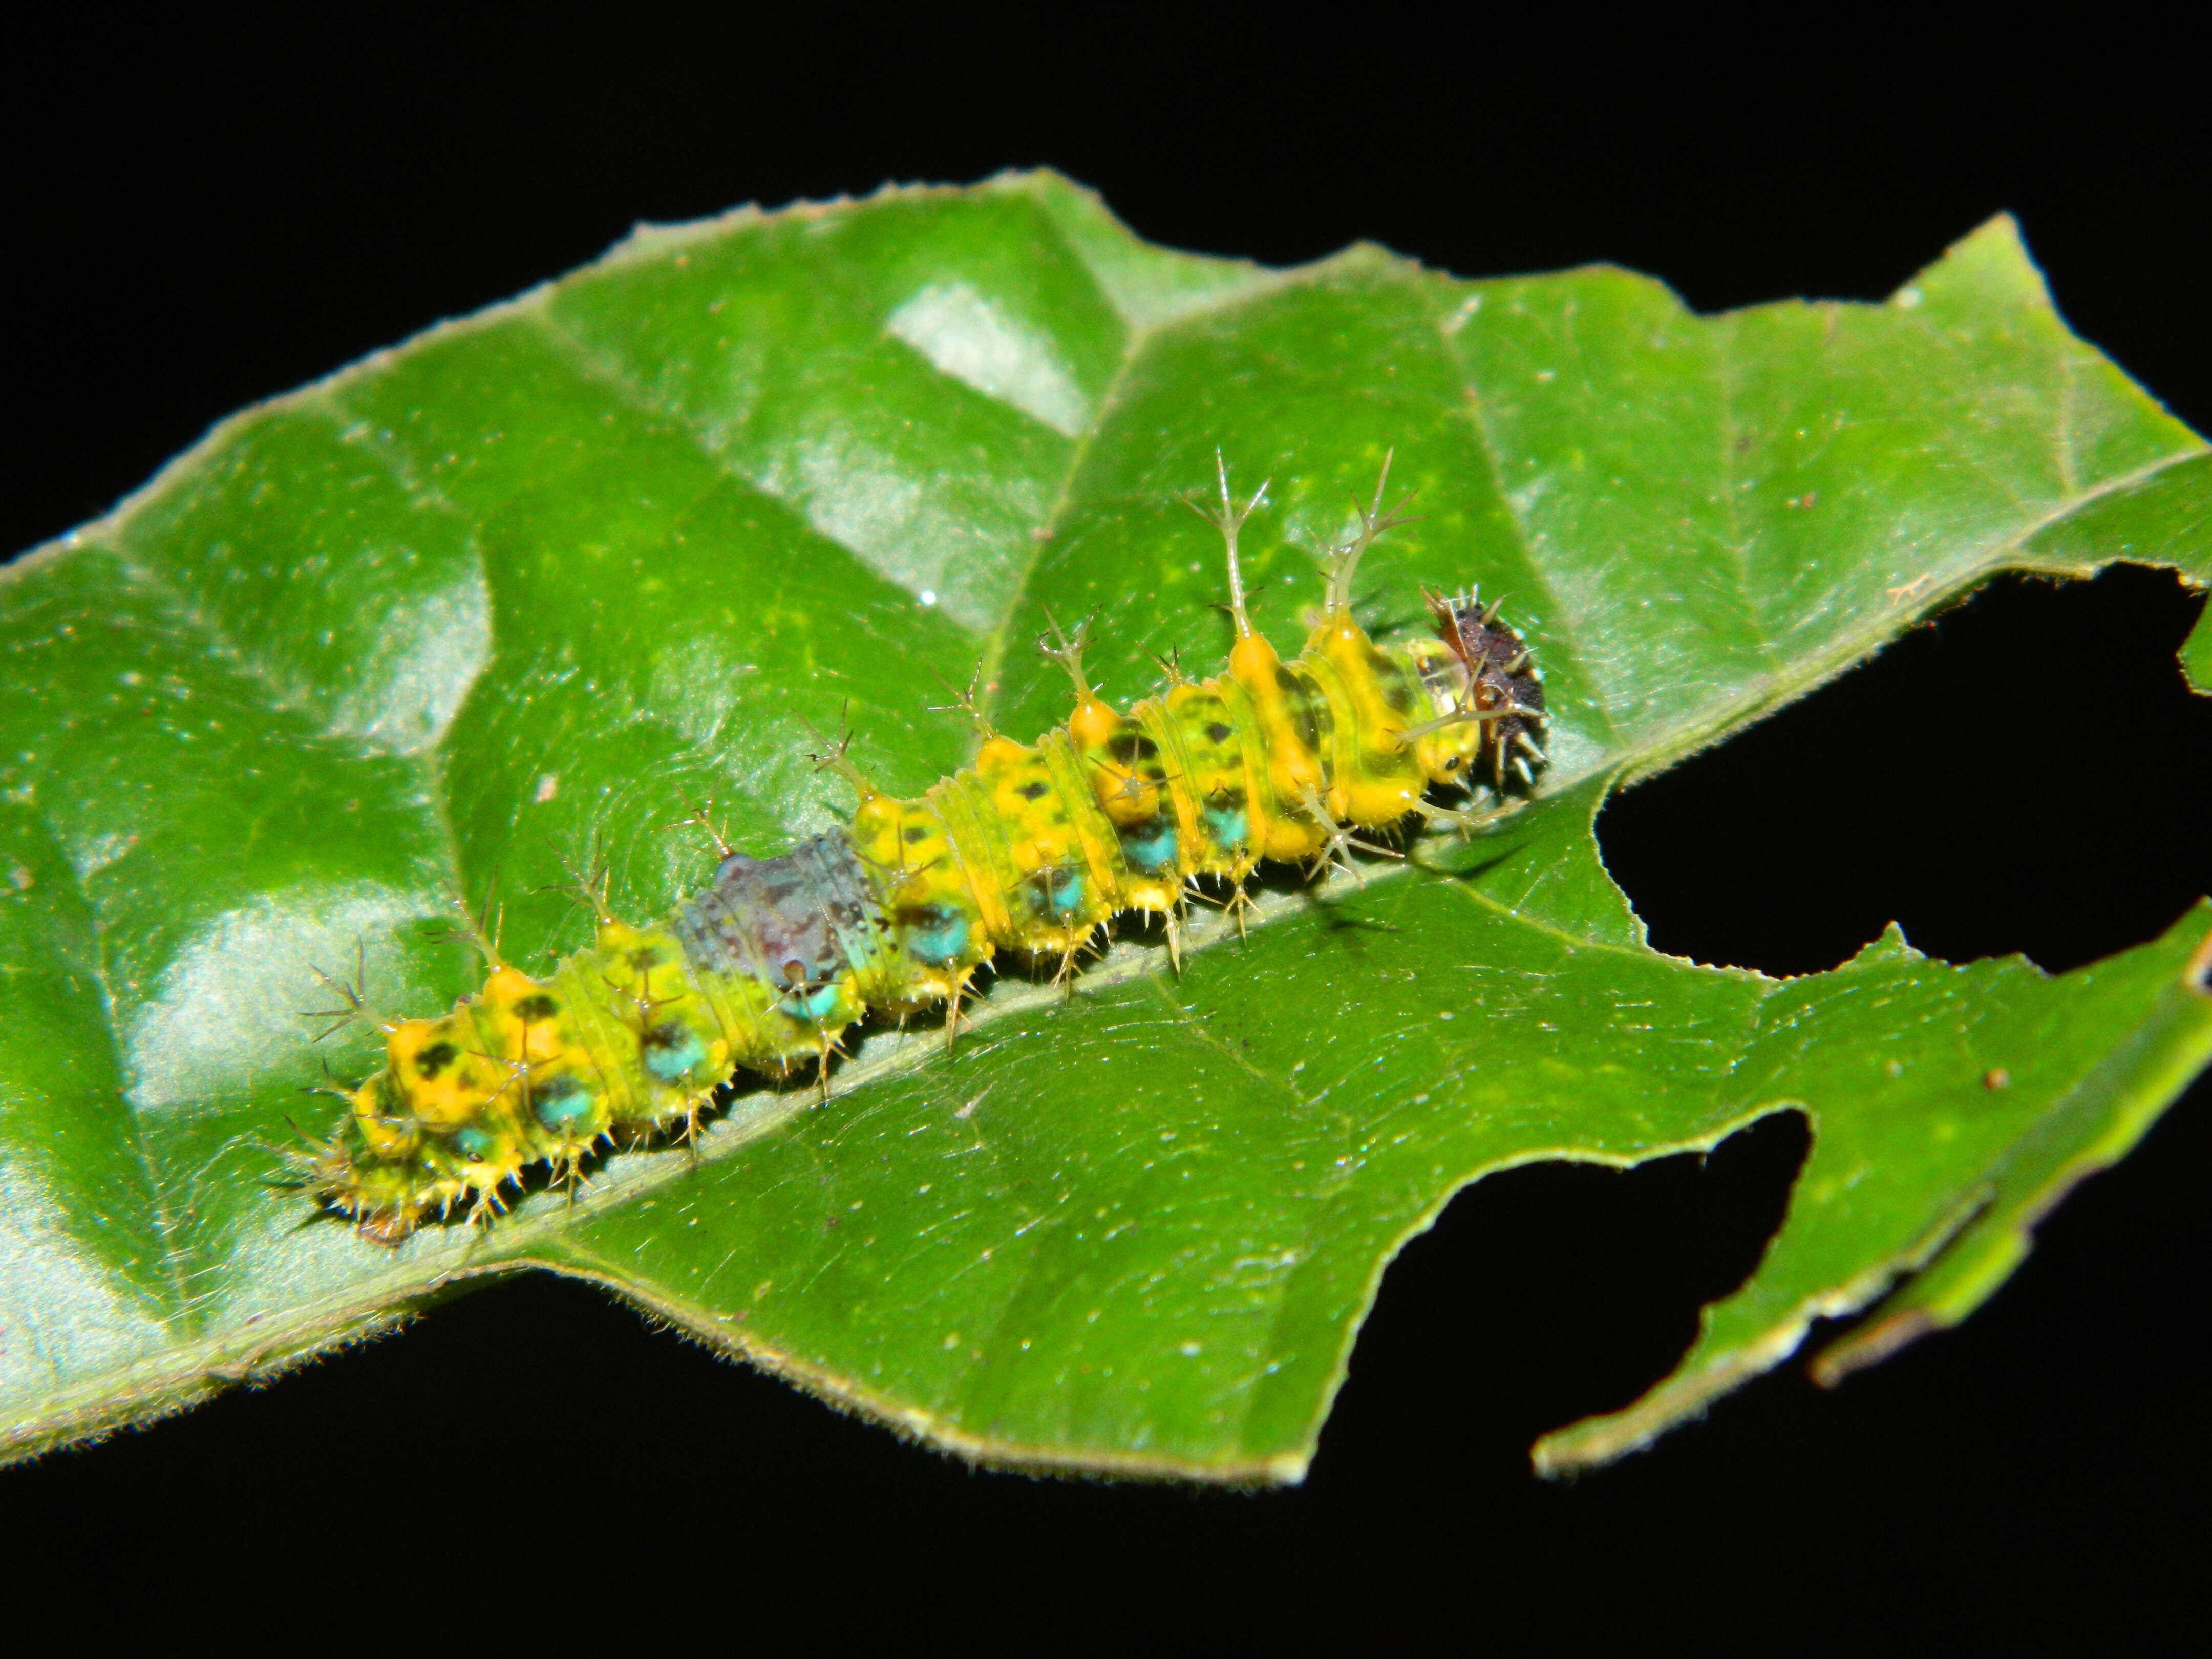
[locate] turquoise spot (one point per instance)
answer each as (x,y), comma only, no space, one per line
(810,1004)
(562,1105)
(671,1051)
(1150,847)
(473,1143)
(941,935)
(1227,825)
(1063,891)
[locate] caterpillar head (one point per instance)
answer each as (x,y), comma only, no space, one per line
(1495,697)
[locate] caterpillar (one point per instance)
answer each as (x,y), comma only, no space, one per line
(1030,851)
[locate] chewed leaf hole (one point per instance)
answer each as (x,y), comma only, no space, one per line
(1551,1292)
(2031,773)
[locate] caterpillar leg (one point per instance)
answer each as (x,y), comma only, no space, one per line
(1171,923)
(1238,905)
(952,1012)
(1063,978)
(569,1174)
(1337,843)
(1467,823)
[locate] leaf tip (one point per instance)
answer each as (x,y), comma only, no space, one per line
(1989,263)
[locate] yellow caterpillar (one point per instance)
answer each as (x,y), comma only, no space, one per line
(1029,850)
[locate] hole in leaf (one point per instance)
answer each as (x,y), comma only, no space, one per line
(1547,1293)
(2031,773)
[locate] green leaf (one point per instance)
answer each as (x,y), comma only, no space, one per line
(544,578)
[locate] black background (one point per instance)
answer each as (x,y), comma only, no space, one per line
(202,212)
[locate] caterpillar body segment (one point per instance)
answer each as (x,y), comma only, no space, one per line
(1029,850)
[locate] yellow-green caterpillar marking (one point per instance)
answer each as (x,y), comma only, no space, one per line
(1030,850)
